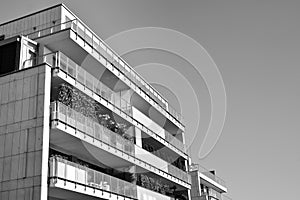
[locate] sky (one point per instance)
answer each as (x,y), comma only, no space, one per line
(256,47)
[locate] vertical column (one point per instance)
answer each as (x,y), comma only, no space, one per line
(138,137)
(24,134)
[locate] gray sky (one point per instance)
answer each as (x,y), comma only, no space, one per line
(255,45)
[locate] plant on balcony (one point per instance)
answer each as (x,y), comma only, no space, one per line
(152,184)
(64,95)
(145,181)
(158,186)
(76,100)
(103,119)
(112,125)
(122,128)
(88,107)
(128,137)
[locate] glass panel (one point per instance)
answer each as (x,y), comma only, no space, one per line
(71,68)
(106,182)
(88,37)
(89,81)
(102,46)
(71,117)
(114,185)
(97,131)
(97,87)
(80,75)
(80,29)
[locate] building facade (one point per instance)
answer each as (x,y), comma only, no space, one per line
(77,122)
(206,185)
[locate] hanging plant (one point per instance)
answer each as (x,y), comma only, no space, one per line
(152,183)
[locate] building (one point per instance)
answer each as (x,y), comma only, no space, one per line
(206,185)
(77,122)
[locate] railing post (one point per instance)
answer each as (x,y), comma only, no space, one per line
(92,43)
(76,28)
(57,55)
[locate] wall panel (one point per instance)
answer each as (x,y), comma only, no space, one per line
(23,124)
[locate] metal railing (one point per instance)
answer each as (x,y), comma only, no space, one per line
(208,173)
(96,43)
(76,173)
(67,65)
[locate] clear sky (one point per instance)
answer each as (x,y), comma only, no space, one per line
(256,47)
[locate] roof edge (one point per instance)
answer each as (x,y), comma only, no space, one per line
(36,12)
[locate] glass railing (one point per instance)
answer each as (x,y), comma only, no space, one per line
(206,172)
(224,197)
(179,173)
(73,172)
(175,142)
(103,49)
(89,81)
(68,116)
(64,63)
(99,45)
(94,84)
(214,194)
(211,196)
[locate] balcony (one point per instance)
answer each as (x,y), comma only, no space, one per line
(89,82)
(63,113)
(212,194)
(175,142)
(161,164)
(179,173)
(93,131)
(94,43)
(75,177)
(217,181)
(146,194)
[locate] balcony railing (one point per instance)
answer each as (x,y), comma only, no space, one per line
(64,63)
(96,43)
(224,197)
(175,142)
(179,173)
(68,116)
(76,173)
(206,172)
(213,194)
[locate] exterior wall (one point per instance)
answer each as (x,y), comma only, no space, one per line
(195,190)
(25,25)
(24,134)
(145,194)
